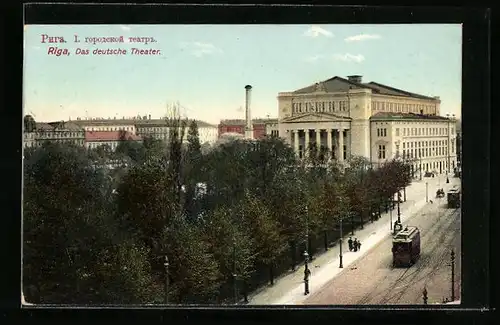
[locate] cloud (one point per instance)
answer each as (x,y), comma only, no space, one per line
(314,58)
(125,28)
(362,37)
(315,31)
(349,57)
(200,49)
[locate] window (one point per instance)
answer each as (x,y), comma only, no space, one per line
(397,132)
(378,132)
(381,152)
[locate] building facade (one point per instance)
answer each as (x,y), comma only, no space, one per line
(160,129)
(428,142)
(112,139)
(335,115)
(29,139)
(260,127)
(61,132)
(110,124)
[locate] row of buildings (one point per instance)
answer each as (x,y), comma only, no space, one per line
(95,132)
(341,116)
(347,116)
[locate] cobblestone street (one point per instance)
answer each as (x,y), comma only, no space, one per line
(373,280)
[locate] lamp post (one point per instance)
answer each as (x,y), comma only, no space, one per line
(307,230)
(399,210)
(420,160)
(426,191)
(306,273)
(340,246)
(452,275)
(390,210)
(166,265)
(424,295)
(234,273)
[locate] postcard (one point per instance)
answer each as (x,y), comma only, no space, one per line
(242,164)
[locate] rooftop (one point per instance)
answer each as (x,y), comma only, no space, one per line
(406,116)
(339,84)
(110,136)
(243,122)
(133,121)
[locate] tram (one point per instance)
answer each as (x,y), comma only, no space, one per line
(454,198)
(406,247)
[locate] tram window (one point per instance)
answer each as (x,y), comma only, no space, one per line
(401,246)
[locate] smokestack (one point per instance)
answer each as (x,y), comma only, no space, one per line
(248,117)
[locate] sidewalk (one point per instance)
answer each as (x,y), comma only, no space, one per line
(289,289)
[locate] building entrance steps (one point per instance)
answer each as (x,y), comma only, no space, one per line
(289,288)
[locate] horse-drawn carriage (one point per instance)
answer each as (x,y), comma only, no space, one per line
(440,193)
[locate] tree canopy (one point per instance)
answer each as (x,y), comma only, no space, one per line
(99,235)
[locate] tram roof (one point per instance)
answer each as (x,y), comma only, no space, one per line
(406,234)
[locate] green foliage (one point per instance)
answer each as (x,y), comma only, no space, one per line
(67,231)
(265,230)
(194,272)
(86,243)
(230,243)
(145,204)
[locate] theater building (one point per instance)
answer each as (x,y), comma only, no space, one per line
(348,117)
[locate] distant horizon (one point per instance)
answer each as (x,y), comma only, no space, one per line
(205,68)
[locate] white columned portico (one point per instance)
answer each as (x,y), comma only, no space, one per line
(340,149)
(306,143)
(318,139)
(329,143)
(296,141)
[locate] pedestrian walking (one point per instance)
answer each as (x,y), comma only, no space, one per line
(355,244)
(359,245)
(350,244)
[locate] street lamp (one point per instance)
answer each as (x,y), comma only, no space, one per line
(306,273)
(166,265)
(234,273)
(426,191)
(391,208)
(399,210)
(340,247)
(307,229)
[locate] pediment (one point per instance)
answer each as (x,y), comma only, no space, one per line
(316,117)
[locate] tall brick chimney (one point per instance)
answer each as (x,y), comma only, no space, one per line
(248,116)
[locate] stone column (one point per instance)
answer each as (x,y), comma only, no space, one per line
(341,145)
(348,143)
(306,143)
(296,141)
(318,139)
(329,143)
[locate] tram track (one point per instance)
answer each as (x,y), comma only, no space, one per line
(403,278)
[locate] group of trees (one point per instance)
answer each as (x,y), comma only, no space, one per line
(228,220)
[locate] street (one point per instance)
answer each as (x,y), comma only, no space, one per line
(372,280)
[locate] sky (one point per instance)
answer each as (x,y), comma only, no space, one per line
(205,68)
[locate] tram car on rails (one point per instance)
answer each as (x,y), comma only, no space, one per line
(454,198)
(406,247)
